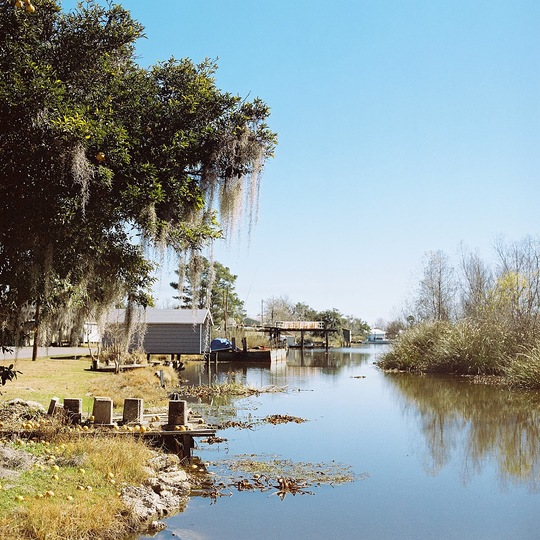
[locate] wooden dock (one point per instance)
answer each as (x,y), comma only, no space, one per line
(177,439)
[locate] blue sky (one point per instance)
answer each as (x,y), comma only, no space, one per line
(404,127)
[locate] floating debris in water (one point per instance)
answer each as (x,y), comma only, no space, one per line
(271,419)
(283,419)
(282,477)
(213,440)
(226,389)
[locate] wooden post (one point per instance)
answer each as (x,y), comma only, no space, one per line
(36,331)
(302,339)
(326,336)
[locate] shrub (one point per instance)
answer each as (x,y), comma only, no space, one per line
(466,347)
(524,370)
(415,349)
(471,348)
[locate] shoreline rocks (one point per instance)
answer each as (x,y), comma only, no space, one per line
(166,492)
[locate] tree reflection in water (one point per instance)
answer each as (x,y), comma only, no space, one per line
(475,423)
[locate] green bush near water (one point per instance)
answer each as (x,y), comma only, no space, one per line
(465,348)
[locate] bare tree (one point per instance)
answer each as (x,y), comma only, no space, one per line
(435,297)
(278,309)
(516,294)
(476,284)
(379,323)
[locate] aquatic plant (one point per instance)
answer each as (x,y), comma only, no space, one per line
(269,473)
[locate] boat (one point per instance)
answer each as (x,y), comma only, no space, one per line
(260,354)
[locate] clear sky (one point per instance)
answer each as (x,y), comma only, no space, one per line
(404,127)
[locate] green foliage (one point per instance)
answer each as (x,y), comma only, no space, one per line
(8,373)
(211,285)
(302,312)
(102,159)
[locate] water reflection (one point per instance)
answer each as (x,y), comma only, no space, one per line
(300,370)
(475,423)
(330,362)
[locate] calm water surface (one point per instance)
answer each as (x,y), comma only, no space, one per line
(435,458)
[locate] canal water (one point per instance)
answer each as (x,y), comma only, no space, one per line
(433,457)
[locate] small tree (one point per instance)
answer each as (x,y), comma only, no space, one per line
(516,293)
(303,312)
(211,285)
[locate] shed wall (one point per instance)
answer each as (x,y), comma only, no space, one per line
(173,339)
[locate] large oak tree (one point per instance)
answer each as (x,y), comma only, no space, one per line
(101,161)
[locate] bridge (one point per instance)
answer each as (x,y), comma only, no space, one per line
(298,326)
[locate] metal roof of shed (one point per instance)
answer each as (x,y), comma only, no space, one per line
(162,316)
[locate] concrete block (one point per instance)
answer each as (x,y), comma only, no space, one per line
(53,405)
(133,410)
(178,413)
(73,410)
(103,411)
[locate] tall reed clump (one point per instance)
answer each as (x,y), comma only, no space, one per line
(466,347)
(524,370)
(472,348)
(415,350)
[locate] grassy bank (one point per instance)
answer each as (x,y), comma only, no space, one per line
(466,348)
(69,377)
(60,483)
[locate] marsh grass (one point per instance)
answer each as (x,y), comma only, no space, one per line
(524,370)
(225,389)
(72,489)
(416,349)
(465,347)
(50,521)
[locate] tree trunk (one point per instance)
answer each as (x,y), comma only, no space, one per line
(36,331)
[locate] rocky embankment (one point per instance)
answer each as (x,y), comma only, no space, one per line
(166,492)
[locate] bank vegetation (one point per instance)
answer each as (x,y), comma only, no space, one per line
(474,318)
